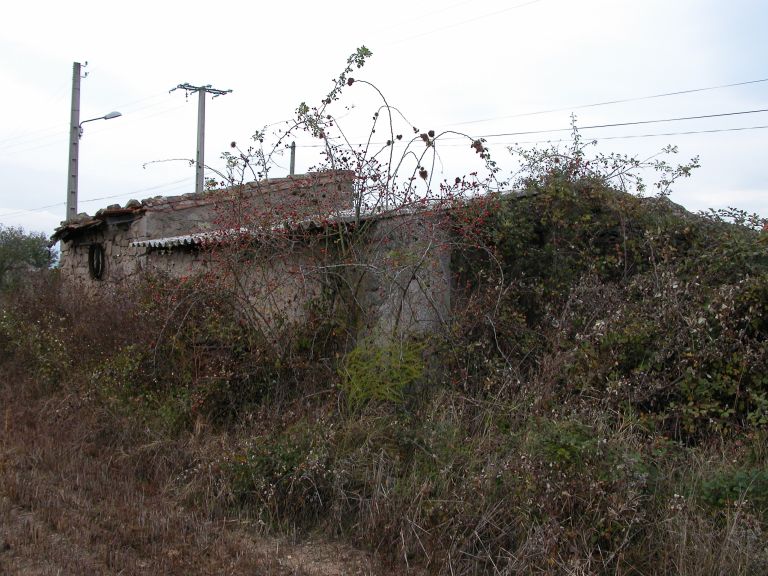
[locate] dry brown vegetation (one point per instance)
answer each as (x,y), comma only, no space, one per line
(84,491)
(596,403)
(598,409)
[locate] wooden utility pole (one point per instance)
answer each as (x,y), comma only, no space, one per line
(200,160)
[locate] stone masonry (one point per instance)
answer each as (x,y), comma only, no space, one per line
(403,277)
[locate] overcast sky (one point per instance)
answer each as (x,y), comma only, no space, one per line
(471,65)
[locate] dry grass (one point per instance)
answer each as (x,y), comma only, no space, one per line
(81,495)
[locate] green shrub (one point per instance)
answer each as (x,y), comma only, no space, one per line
(39,346)
(730,487)
(120,376)
(568,443)
(283,477)
(125,383)
(381,371)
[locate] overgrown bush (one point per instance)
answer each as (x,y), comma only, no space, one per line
(596,404)
(626,299)
(381,371)
(36,347)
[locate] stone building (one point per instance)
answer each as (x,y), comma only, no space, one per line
(285,242)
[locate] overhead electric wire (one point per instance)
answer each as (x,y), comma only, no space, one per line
(31,133)
(132,102)
(626,136)
(53,97)
(634,123)
(129,193)
(685,133)
(12,143)
(632,136)
(54,139)
(498,135)
(529,2)
(425,15)
(593,126)
(609,102)
(740,129)
(32,143)
(604,103)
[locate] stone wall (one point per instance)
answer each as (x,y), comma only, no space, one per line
(321,195)
(394,270)
(251,204)
(121,261)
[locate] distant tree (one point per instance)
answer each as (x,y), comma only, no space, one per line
(20,250)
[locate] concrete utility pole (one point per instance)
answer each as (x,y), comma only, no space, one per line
(200,160)
(74,143)
(75,132)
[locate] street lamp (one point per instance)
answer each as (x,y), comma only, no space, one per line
(105,117)
(75,133)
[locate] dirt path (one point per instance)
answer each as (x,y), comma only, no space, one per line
(75,499)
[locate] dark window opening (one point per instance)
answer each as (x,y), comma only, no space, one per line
(96,261)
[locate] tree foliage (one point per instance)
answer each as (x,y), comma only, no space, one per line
(20,251)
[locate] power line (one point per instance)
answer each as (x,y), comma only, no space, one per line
(53,139)
(32,143)
(132,102)
(129,193)
(22,140)
(634,123)
(629,136)
(30,133)
(179,181)
(594,126)
(608,102)
(465,21)
(632,136)
(53,97)
(426,14)
(4,142)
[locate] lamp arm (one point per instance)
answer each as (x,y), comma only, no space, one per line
(105,117)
